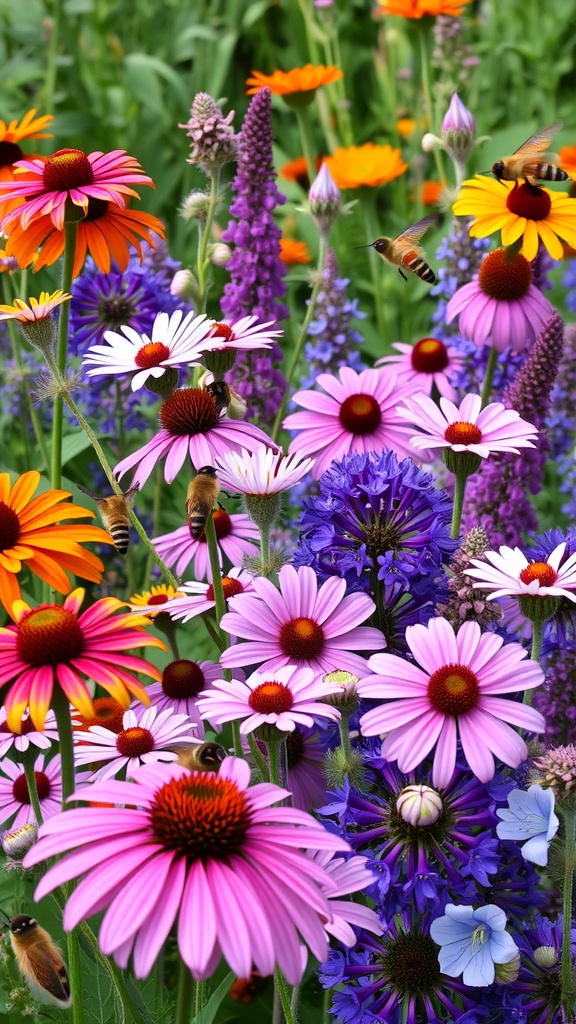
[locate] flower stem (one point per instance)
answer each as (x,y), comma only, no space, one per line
(459,492)
(64,724)
(185,995)
(28,762)
(260,762)
(274,750)
(17,350)
(282,989)
(219,599)
(303,115)
(377,286)
(203,241)
(199,994)
(75,977)
(489,375)
(423,34)
(70,235)
(537,631)
(343,725)
(567,972)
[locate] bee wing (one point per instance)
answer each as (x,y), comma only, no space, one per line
(415,231)
(47,975)
(540,141)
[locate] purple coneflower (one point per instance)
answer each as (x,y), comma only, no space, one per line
(15,806)
(467,428)
(428,363)
(199,597)
(234,534)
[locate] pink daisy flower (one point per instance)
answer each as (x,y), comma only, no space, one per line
(508,572)
(146,735)
(191,425)
(352,875)
(175,342)
(27,734)
(15,806)
(454,687)
(357,415)
(285,698)
(469,427)
(500,304)
(201,598)
(235,535)
(182,682)
(300,625)
(427,363)
(260,473)
(244,334)
(188,841)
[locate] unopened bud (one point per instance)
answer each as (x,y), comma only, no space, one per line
(458,130)
(506,973)
(419,805)
(220,254)
(195,206)
(545,956)
(17,843)
(183,284)
(431,142)
(325,200)
(346,698)
(40,333)
(164,385)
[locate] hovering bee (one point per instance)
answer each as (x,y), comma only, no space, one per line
(202,497)
(227,398)
(404,251)
(201,757)
(526,162)
(39,961)
(114,514)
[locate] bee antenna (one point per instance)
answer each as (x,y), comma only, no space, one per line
(86,491)
(369,246)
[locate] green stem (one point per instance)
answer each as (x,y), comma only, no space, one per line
(214,634)
(284,993)
(70,235)
(537,631)
(28,762)
(185,995)
(423,34)
(303,116)
(64,724)
(459,492)
(219,599)
(199,999)
(75,976)
(205,232)
(260,762)
(344,733)
(368,204)
(265,544)
(567,972)
(236,740)
(489,375)
(274,750)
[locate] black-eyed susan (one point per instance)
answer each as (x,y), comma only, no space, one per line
(152,601)
(35,309)
(12,134)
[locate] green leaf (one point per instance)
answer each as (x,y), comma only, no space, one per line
(73,444)
(212,1006)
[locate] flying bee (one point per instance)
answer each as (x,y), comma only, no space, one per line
(114,515)
(526,162)
(227,398)
(201,757)
(39,961)
(404,251)
(202,497)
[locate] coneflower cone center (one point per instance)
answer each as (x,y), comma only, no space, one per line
(182,679)
(453,690)
(410,965)
(540,571)
(134,742)
(223,332)
(9,527)
(529,201)
(230,586)
(10,152)
(67,169)
(109,713)
(302,639)
(429,356)
(360,414)
(463,433)
(504,277)
(222,525)
(270,698)
(156,600)
(201,816)
(49,635)
(20,787)
(116,310)
(189,411)
(151,355)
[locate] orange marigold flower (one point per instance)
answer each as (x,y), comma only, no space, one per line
(431,192)
(405,126)
(297,170)
(297,81)
(29,536)
(369,164)
(292,251)
(567,160)
(421,8)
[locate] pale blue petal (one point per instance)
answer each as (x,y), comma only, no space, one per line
(491,915)
(480,970)
(536,850)
(454,958)
(444,930)
(502,948)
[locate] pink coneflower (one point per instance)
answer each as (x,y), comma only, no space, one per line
(146,735)
(301,625)
(357,415)
(284,698)
(427,363)
(184,841)
(501,304)
(456,690)
(260,473)
(200,596)
(174,342)
(244,334)
(182,681)
(468,428)
(234,534)
(52,645)
(15,806)
(191,424)
(26,734)
(511,573)
(348,876)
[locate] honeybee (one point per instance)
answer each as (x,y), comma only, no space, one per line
(404,251)
(114,515)
(227,398)
(526,162)
(39,961)
(202,497)
(201,757)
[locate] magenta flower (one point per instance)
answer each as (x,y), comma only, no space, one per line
(427,363)
(245,334)
(206,851)
(15,807)
(200,596)
(458,118)
(468,428)
(182,682)
(357,415)
(509,572)
(27,734)
(234,534)
(301,625)
(455,690)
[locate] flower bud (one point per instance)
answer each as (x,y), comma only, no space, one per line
(419,805)
(195,206)
(345,698)
(458,130)
(17,843)
(506,973)
(431,142)
(325,200)
(182,284)
(213,139)
(220,254)
(545,956)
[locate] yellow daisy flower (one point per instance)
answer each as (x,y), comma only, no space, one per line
(150,602)
(35,309)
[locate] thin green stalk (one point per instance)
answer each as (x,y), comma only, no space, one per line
(156,511)
(214,634)
(64,725)
(75,977)
(303,117)
(205,232)
(283,991)
(371,234)
(260,762)
(489,375)
(423,34)
(537,631)
(459,492)
(199,999)
(265,544)
(219,599)
(70,235)
(567,971)
(274,750)
(236,739)
(344,733)
(186,994)
(28,762)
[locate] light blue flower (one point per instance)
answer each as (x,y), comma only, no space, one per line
(530,815)
(472,941)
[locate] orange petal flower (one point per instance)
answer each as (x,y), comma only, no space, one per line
(421,8)
(567,160)
(29,536)
(431,192)
(150,602)
(292,251)
(11,135)
(297,170)
(369,164)
(286,83)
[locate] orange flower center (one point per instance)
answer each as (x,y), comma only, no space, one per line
(453,690)
(182,679)
(151,354)
(540,571)
(67,169)
(230,586)
(49,635)
(301,639)
(463,433)
(201,816)
(9,527)
(429,356)
(20,787)
(222,331)
(505,277)
(134,742)
(529,201)
(10,152)
(222,525)
(189,411)
(270,699)
(360,414)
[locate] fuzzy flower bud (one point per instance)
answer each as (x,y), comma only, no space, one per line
(458,130)
(558,772)
(182,284)
(419,805)
(346,698)
(325,200)
(220,254)
(545,956)
(506,973)
(15,844)
(212,134)
(431,142)
(195,206)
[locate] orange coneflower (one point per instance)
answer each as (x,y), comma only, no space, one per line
(421,8)
(293,251)
(294,82)
(11,135)
(29,536)
(369,164)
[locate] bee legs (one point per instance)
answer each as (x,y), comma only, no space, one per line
(402,274)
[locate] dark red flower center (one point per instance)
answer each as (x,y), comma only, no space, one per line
(504,276)
(463,433)
(156,599)
(10,152)
(97,208)
(429,356)
(189,411)
(453,690)
(222,525)
(134,742)
(49,635)
(67,169)
(540,571)
(9,527)
(360,414)
(26,726)
(222,331)
(270,698)
(151,354)
(302,639)
(529,201)
(20,788)
(182,679)
(230,586)
(109,713)
(201,816)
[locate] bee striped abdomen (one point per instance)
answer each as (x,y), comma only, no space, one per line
(418,266)
(197,524)
(545,172)
(120,534)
